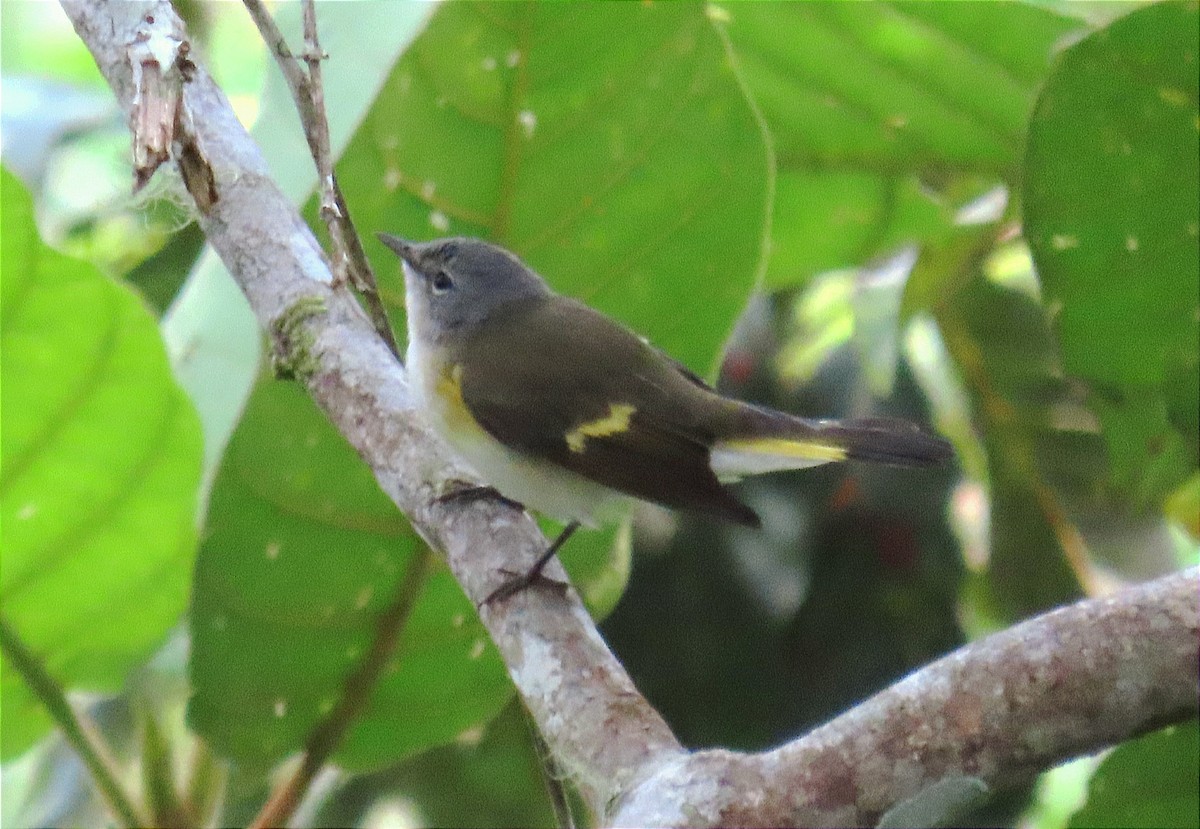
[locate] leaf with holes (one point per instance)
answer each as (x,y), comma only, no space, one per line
(1113,219)
(302,554)
(99,469)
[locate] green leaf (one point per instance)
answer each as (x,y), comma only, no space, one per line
(871,103)
(160,275)
(99,469)
(826,220)
(1147,782)
(939,804)
(362,40)
(1113,214)
(1057,506)
(608,144)
(302,553)
(499,768)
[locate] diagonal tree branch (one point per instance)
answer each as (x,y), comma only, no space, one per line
(998,710)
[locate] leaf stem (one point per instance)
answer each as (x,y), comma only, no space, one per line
(328,734)
(78,729)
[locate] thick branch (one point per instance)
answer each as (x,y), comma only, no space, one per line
(1066,683)
(998,710)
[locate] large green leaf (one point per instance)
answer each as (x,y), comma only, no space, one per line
(1113,215)
(871,103)
(99,468)
(1147,782)
(608,143)
(302,553)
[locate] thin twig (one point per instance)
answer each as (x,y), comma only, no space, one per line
(313,55)
(334,209)
(78,729)
(205,782)
(158,777)
(350,261)
(277,43)
(328,734)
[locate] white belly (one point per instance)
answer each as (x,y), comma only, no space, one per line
(537,484)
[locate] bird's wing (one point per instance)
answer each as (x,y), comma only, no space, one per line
(565,384)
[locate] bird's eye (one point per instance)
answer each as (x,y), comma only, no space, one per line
(442,282)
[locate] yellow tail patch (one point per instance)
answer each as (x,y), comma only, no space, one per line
(739,457)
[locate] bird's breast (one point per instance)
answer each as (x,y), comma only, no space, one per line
(436,382)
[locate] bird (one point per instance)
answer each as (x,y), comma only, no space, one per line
(564,410)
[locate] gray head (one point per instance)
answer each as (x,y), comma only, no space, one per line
(457,282)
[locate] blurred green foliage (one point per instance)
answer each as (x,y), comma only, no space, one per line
(981,215)
(1113,217)
(99,471)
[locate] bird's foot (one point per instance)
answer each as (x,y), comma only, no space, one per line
(465,492)
(519,582)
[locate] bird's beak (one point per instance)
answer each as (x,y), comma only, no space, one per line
(401,247)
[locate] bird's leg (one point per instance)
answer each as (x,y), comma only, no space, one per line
(458,492)
(520,581)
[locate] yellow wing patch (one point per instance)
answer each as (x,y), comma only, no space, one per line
(613,423)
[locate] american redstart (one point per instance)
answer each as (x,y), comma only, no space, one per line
(569,413)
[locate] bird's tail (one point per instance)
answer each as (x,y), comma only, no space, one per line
(763,440)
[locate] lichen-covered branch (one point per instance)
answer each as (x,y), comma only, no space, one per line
(998,710)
